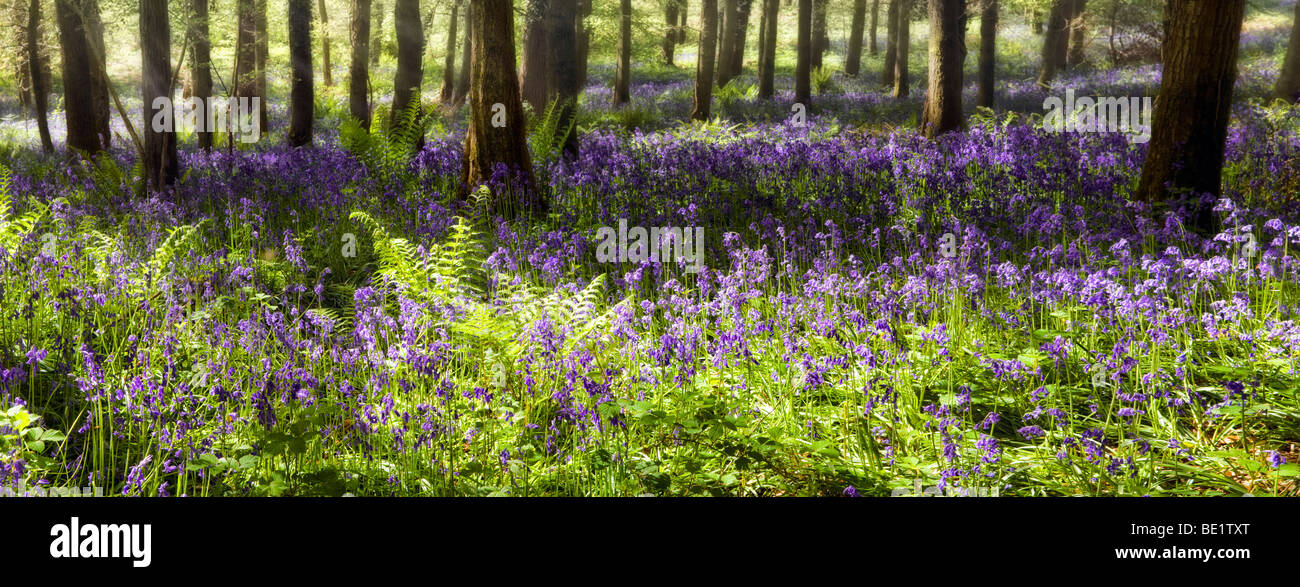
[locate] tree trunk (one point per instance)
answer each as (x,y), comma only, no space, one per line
(245,77)
(1288,82)
(767,68)
(1057,32)
(819,38)
(160,162)
(622,76)
(563,77)
(584,41)
(377,33)
(891,44)
(494,93)
(410,62)
(263,52)
(671,10)
(98,71)
(744,9)
(875,21)
(1078,34)
(325,44)
(1190,127)
(902,78)
(462,81)
(201,64)
(40,93)
(78,97)
(704,60)
(726,14)
(803,55)
(853,60)
(449,62)
(943,112)
(988,53)
(533,68)
(302,102)
(358,66)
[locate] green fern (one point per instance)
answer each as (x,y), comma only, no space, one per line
(546,140)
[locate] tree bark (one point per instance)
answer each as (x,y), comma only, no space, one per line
(853,60)
(671,10)
(767,65)
(726,13)
(902,78)
(1078,34)
(98,71)
(1056,36)
(302,102)
(245,77)
(533,67)
(377,33)
(410,62)
(803,55)
(943,111)
(78,97)
(325,45)
(875,21)
(489,147)
(201,64)
(584,41)
(563,77)
(161,165)
(891,44)
(1288,82)
(462,81)
(622,76)
(819,38)
(358,66)
(40,93)
(1190,128)
(263,52)
(705,58)
(988,53)
(449,62)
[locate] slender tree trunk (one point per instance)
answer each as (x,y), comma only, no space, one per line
(803,55)
(449,62)
(563,78)
(671,9)
(263,52)
(358,65)
(410,63)
(201,64)
(1288,82)
(744,8)
(853,60)
(78,96)
(767,69)
(891,44)
(705,58)
(534,68)
(462,81)
(943,112)
(1078,34)
(496,81)
(1190,128)
(377,32)
(40,93)
(902,78)
(301,88)
(819,39)
(245,78)
(325,44)
(98,71)
(161,165)
(988,53)
(726,14)
(1057,31)
(875,21)
(622,77)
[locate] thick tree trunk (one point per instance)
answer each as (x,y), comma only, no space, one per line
(704,60)
(201,64)
(325,45)
(98,71)
(1288,82)
(302,101)
(623,74)
(534,68)
(767,65)
(449,62)
(902,78)
(410,62)
(563,77)
(988,53)
(494,94)
(803,55)
(40,93)
(161,165)
(875,22)
(943,112)
(462,81)
(853,60)
(819,37)
(1078,34)
(1190,127)
(78,95)
(358,66)
(732,58)
(245,77)
(726,13)
(671,10)
(584,40)
(891,44)
(1054,39)
(377,32)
